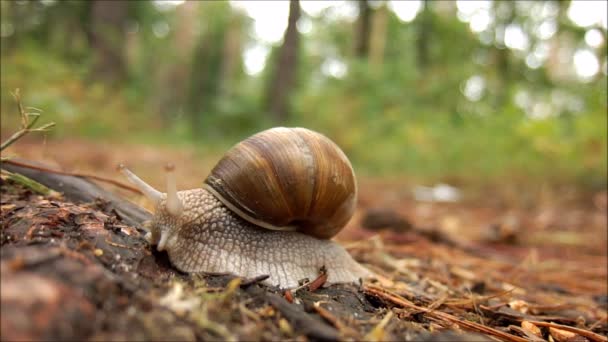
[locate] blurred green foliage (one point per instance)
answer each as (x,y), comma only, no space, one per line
(391,113)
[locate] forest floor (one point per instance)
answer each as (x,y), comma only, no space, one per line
(500,263)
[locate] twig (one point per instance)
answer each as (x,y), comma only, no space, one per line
(26,124)
(476,327)
(303,322)
(75,174)
(316,283)
(29,183)
(586,333)
(335,321)
(112,243)
(378,333)
(319,281)
(470,302)
(476,307)
(250,281)
(527,333)
(288,296)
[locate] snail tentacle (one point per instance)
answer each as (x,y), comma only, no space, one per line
(152,194)
(174,204)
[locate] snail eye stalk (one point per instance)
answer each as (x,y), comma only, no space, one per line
(174,204)
(152,194)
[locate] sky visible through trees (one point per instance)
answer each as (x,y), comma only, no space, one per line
(271,19)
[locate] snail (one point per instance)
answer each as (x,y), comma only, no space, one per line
(269,207)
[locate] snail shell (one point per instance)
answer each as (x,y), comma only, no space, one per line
(287,179)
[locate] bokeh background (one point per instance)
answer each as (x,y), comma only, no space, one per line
(477,130)
(464,92)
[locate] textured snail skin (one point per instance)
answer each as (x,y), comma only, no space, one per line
(208,237)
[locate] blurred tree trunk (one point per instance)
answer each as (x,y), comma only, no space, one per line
(185,29)
(207,64)
(422,41)
(232,54)
(177,72)
(204,79)
(362,40)
(13,14)
(7,10)
(378,36)
(553,65)
(67,28)
(107,39)
(283,80)
(503,67)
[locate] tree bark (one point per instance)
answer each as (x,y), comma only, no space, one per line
(107,39)
(283,81)
(178,72)
(502,54)
(378,36)
(363,29)
(422,42)
(232,51)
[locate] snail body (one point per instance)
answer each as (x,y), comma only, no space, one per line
(269,206)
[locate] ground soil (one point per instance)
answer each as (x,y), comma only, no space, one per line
(505,264)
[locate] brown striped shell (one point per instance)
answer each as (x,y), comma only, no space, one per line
(287,179)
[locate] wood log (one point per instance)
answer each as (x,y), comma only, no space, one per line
(80,190)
